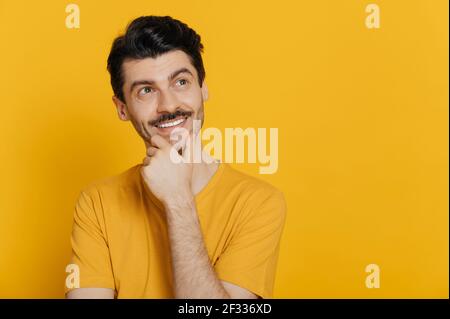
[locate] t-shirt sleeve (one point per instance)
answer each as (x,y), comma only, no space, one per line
(250,259)
(90,253)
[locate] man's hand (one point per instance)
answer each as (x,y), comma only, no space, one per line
(168,174)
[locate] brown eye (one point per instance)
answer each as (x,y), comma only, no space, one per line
(182,82)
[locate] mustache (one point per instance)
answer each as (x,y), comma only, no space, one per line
(170,116)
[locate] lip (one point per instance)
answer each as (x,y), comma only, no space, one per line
(165,131)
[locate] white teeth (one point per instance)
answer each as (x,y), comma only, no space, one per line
(170,124)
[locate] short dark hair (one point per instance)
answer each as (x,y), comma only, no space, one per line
(151,36)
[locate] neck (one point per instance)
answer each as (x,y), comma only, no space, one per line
(202,174)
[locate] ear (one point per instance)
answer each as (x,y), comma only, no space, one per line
(205,93)
(121,107)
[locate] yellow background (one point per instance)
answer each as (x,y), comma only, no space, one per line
(363,132)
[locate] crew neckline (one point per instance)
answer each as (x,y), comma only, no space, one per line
(212,182)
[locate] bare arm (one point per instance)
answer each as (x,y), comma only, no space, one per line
(194,275)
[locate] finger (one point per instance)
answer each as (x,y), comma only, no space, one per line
(146,161)
(151,151)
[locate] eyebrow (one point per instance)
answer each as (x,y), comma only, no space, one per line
(170,78)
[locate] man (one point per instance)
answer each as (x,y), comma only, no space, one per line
(167,228)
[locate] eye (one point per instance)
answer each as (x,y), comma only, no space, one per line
(145,90)
(182,82)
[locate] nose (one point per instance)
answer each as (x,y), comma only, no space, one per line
(167,102)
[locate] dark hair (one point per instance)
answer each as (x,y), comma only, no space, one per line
(151,36)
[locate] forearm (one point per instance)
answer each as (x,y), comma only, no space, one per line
(194,276)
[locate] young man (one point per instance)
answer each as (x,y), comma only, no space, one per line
(165,228)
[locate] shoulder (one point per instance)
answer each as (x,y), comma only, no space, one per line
(257,193)
(112,185)
(248,183)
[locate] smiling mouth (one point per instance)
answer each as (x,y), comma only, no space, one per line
(171,123)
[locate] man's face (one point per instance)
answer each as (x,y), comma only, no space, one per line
(161,94)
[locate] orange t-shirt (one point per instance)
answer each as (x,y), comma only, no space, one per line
(120,241)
